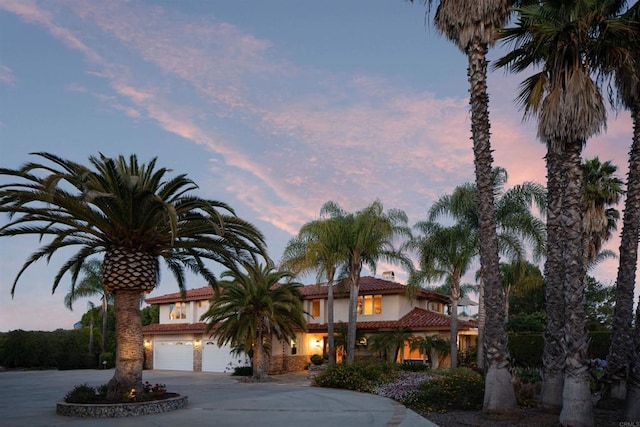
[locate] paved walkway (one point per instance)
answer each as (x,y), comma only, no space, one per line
(27,398)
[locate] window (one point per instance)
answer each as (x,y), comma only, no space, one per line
(370,304)
(178,311)
(315,308)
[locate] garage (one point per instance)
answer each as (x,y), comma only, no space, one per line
(220,359)
(173,355)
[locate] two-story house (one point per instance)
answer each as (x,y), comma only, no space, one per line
(179,342)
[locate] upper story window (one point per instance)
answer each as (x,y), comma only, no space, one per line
(315,308)
(178,310)
(370,304)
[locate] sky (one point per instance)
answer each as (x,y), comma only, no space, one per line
(272,107)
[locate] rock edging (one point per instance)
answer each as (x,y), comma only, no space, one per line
(120,410)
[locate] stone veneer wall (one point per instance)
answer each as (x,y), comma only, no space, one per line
(197,358)
(148,357)
(281,364)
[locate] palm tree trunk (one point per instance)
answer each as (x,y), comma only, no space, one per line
(621,332)
(129,352)
(632,404)
(499,394)
(260,359)
(577,408)
(481,322)
(330,323)
(553,353)
(105,308)
(454,329)
(353,316)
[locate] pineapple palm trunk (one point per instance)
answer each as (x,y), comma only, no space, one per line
(577,408)
(259,358)
(105,317)
(553,353)
(499,394)
(621,333)
(129,352)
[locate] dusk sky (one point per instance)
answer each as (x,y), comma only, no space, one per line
(272,107)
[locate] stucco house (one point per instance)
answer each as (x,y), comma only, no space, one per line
(179,341)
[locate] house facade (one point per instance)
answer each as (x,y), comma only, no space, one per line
(179,341)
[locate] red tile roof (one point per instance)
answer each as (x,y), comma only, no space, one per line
(417,319)
(368,285)
(203,293)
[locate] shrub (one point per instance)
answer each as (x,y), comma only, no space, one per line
(106,357)
(413,367)
(526,350)
(81,394)
(242,371)
(316,359)
(527,385)
(461,389)
(358,376)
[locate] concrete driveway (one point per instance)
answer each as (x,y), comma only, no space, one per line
(27,398)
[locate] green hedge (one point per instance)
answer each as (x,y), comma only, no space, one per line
(62,349)
(358,376)
(461,389)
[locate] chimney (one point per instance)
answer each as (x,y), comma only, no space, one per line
(388,275)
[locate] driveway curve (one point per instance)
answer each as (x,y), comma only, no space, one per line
(27,398)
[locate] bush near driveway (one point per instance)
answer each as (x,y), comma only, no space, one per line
(358,376)
(461,389)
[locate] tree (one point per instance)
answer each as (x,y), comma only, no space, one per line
(519,277)
(150,315)
(620,360)
(434,346)
(369,238)
(319,246)
(516,225)
(251,307)
(472,26)
(601,191)
(91,285)
(390,343)
(564,38)
(136,215)
(444,253)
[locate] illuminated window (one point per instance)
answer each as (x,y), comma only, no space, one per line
(178,311)
(370,304)
(315,308)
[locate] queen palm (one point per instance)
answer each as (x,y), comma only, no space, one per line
(472,25)
(562,37)
(319,246)
(251,307)
(515,223)
(369,238)
(91,285)
(136,215)
(444,253)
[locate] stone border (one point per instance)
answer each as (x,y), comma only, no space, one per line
(120,410)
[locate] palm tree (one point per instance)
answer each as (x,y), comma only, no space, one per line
(91,285)
(563,37)
(620,360)
(369,238)
(517,277)
(601,191)
(444,253)
(434,346)
(320,247)
(390,343)
(515,223)
(251,307)
(136,215)
(472,26)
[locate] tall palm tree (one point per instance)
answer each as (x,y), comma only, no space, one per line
(444,253)
(620,360)
(434,346)
(319,246)
(472,26)
(370,235)
(136,215)
(251,307)
(516,225)
(91,285)
(602,190)
(563,38)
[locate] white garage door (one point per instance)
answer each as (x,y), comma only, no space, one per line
(219,359)
(173,355)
